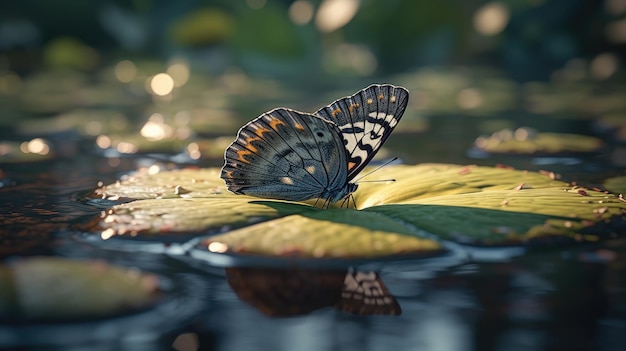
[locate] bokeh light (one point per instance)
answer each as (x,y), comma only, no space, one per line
(615,7)
(156,128)
(193,149)
(301,12)
(469,98)
(125,147)
(154,169)
(604,66)
(162,84)
(491,18)
(179,71)
(103,142)
(186,342)
(35,146)
(217,247)
(616,31)
(125,71)
(334,14)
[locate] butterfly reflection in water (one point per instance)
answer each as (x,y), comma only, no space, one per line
(296,291)
(290,155)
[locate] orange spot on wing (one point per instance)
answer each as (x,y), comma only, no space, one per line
(380,97)
(241,154)
(351,165)
(260,130)
(352,107)
(249,145)
(335,112)
(275,122)
(299,127)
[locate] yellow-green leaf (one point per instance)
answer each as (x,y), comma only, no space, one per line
(332,233)
(57,288)
(466,204)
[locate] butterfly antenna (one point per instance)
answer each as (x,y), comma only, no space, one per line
(376,169)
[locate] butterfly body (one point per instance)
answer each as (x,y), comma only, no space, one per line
(290,155)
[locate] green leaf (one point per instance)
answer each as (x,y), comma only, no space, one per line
(466,204)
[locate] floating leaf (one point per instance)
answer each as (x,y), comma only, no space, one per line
(154,216)
(324,234)
(616,184)
(57,288)
(187,183)
(467,204)
(527,141)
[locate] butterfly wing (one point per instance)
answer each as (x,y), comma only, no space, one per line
(364,293)
(366,119)
(286,154)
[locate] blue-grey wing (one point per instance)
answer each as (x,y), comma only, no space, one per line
(286,154)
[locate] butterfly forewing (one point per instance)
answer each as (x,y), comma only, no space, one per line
(366,119)
(286,154)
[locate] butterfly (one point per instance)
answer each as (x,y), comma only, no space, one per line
(290,155)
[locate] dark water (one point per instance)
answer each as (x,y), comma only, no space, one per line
(571,298)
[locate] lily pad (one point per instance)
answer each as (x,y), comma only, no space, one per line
(30,289)
(186,183)
(465,204)
(616,184)
(528,141)
(325,234)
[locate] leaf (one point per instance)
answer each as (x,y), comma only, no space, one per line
(212,215)
(424,181)
(186,183)
(616,184)
(89,289)
(466,204)
(526,141)
(325,234)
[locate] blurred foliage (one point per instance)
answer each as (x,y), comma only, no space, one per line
(536,37)
(203,27)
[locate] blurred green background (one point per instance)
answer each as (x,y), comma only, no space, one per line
(192,70)
(529,39)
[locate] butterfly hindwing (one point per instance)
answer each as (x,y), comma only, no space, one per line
(286,154)
(364,293)
(366,119)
